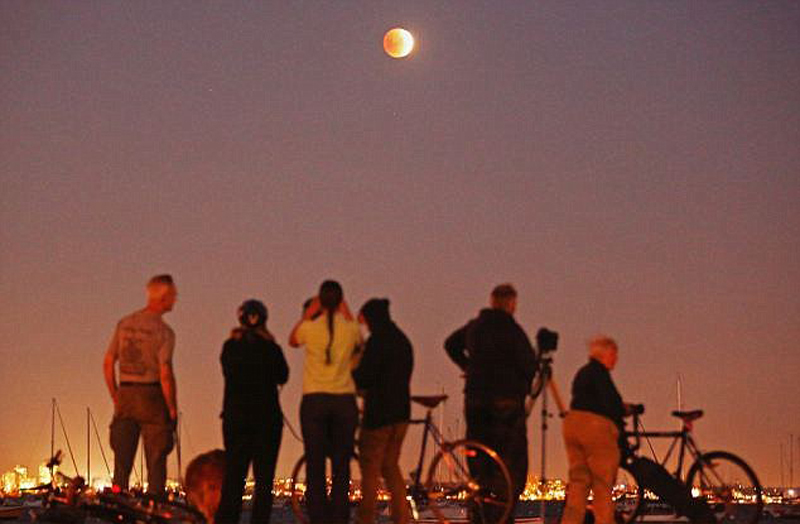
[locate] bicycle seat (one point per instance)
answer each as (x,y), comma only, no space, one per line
(429,401)
(688,416)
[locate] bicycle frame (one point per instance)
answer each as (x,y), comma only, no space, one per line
(683,436)
(430,429)
(486,493)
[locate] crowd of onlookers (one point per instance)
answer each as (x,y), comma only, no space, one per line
(494,352)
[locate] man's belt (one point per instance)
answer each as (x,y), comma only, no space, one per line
(140,383)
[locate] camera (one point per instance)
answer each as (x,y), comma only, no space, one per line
(546,340)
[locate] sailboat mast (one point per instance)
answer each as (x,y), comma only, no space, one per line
(100,443)
(88,447)
(783,484)
(679,396)
(52,435)
(141,461)
(178,447)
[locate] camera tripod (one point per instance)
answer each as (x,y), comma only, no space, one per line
(540,387)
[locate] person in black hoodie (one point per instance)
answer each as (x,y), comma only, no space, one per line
(499,362)
(383,377)
(252,420)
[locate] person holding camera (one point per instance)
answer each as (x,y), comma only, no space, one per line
(499,362)
(591,434)
(254,367)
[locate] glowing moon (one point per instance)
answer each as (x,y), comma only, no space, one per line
(398,43)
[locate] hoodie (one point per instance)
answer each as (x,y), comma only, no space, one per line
(384,373)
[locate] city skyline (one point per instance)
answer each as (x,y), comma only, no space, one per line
(633,168)
(102,477)
(551,489)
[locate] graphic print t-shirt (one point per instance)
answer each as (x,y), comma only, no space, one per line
(141,343)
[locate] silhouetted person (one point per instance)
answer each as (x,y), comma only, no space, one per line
(328,412)
(499,362)
(145,398)
(383,377)
(252,420)
(591,435)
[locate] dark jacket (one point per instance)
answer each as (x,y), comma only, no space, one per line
(254,366)
(496,355)
(594,391)
(385,370)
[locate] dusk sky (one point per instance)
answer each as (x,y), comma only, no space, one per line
(632,167)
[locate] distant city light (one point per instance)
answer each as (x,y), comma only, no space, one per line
(19,478)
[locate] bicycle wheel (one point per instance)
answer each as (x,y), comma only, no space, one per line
(298,488)
(729,486)
(628,497)
(468,478)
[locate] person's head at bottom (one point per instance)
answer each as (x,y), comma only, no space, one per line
(204,476)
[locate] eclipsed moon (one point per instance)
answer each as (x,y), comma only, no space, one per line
(398,43)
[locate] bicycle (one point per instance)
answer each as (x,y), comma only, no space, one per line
(68,500)
(719,479)
(463,474)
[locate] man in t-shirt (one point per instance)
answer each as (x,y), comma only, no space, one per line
(144,399)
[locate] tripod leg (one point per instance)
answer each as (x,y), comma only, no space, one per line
(557,396)
(542,477)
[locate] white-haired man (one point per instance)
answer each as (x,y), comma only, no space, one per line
(591,434)
(145,397)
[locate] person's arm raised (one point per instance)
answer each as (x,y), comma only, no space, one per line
(345,310)
(308,314)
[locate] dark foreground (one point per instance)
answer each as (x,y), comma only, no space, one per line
(527,512)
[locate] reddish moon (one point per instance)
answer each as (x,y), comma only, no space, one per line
(398,43)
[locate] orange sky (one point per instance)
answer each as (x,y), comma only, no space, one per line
(633,168)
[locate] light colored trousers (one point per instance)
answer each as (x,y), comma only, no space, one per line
(378,454)
(593,453)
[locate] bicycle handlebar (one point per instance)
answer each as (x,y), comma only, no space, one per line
(633,410)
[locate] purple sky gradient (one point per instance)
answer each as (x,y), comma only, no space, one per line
(632,167)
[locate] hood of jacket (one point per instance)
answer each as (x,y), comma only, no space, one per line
(376,313)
